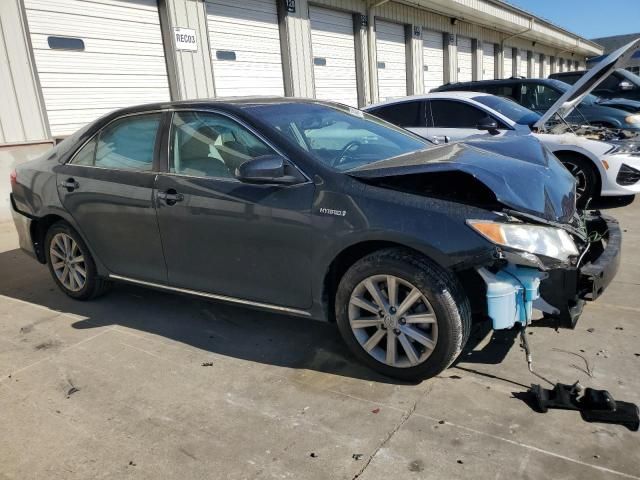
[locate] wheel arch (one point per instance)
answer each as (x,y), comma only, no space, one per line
(345,258)
(41,224)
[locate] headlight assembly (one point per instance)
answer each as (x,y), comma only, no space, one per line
(633,119)
(627,148)
(548,241)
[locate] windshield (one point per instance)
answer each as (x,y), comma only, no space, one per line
(339,137)
(510,109)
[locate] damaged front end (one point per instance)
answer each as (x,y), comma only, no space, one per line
(558,285)
(548,256)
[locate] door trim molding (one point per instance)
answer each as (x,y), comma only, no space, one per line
(213,296)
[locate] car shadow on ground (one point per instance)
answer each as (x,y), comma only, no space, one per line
(251,335)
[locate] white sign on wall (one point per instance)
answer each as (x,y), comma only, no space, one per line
(185,39)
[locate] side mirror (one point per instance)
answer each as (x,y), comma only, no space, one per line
(268,169)
(625,86)
(488,124)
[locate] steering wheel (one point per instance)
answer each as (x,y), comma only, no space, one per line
(338,159)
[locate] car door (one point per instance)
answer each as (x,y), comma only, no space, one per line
(107,187)
(453,119)
(221,236)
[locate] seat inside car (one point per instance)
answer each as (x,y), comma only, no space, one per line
(198,155)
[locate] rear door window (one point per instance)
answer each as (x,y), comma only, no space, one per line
(125,144)
(452,114)
(405,114)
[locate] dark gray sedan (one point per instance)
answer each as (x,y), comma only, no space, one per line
(317,210)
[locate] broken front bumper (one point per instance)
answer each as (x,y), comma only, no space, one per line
(513,291)
(567,289)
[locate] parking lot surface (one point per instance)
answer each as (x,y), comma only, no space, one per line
(143,384)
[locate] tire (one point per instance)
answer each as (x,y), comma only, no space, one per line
(441,296)
(90,285)
(586,175)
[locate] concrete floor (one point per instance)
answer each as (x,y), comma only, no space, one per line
(141,384)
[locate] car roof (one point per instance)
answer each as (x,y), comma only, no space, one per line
(228,103)
(428,96)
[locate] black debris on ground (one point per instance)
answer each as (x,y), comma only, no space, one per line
(619,328)
(72,390)
(357,456)
(313,455)
(132,464)
(591,330)
(207,364)
(455,377)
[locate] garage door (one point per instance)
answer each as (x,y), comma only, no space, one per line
(523,67)
(433,56)
(507,71)
(488,61)
(392,62)
(334,55)
(95,56)
(465,59)
(245,47)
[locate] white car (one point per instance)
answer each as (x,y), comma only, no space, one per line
(601,167)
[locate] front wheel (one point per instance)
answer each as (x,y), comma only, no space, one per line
(402,315)
(586,176)
(71,264)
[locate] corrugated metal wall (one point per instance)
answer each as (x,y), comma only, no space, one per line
(191,73)
(22,117)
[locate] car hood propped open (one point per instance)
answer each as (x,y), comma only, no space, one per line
(590,80)
(537,185)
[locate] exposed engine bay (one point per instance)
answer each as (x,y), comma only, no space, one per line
(593,132)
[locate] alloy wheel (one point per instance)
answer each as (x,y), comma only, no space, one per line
(68,262)
(393,321)
(580,176)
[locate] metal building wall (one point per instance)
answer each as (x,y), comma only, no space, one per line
(191,74)
(22,115)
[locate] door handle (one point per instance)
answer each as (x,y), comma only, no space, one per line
(70,184)
(171,196)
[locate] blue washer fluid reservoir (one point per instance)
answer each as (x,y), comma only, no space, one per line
(510,294)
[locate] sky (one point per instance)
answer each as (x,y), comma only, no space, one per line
(587,18)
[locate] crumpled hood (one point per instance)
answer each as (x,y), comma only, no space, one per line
(534,183)
(590,80)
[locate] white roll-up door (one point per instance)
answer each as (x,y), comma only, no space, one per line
(245,47)
(465,59)
(488,61)
(523,66)
(334,55)
(95,56)
(433,57)
(392,60)
(507,70)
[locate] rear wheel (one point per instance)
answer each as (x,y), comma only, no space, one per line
(402,315)
(586,175)
(71,264)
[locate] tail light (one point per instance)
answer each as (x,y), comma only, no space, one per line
(13,177)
